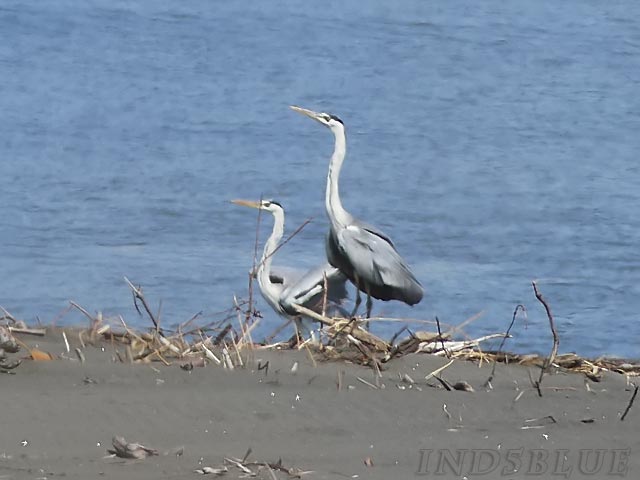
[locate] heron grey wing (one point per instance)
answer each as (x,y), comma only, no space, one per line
(378,264)
(286,276)
(336,282)
(313,281)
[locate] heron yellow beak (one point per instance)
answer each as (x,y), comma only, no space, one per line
(246,203)
(308,113)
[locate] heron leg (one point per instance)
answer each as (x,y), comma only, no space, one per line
(303,329)
(358,302)
(369,305)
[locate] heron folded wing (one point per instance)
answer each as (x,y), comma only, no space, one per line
(377,265)
(286,276)
(314,280)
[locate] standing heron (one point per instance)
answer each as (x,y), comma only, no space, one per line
(362,252)
(284,287)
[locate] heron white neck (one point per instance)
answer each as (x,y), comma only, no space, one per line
(337,214)
(267,255)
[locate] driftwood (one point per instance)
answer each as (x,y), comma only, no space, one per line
(7,341)
(244,465)
(40,332)
(133,451)
(8,344)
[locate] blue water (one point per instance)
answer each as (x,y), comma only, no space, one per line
(497,143)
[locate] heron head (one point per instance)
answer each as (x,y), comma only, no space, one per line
(325,119)
(268,205)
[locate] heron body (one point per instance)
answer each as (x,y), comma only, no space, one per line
(284,287)
(365,254)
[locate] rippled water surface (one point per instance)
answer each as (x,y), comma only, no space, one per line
(497,143)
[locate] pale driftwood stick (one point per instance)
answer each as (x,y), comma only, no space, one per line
(137,294)
(339,380)
(7,315)
(86,314)
(506,335)
(368,384)
(40,332)
(626,410)
(456,346)
(438,370)
(556,339)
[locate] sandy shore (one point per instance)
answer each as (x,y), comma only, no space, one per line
(59,417)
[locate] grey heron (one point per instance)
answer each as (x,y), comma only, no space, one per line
(282,287)
(364,253)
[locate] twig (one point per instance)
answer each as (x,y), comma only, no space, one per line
(441,339)
(504,339)
(288,239)
(443,382)
(183,325)
(137,294)
(324,293)
(438,370)
(397,334)
(460,326)
(253,265)
(626,410)
(272,336)
(368,384)
(87,314)
(556,340)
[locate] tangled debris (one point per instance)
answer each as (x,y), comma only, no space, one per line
(227,342)
(252,468)
(8,344)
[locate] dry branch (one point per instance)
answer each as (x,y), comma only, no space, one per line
(556,339)
(513,320)
(138,295)
(630,404)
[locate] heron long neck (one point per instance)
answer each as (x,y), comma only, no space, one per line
(268,289)
(337,214)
